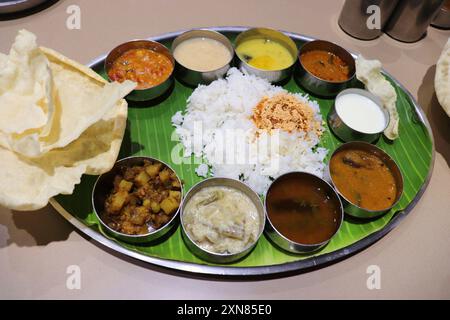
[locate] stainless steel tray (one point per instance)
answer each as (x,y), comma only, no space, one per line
(297,266)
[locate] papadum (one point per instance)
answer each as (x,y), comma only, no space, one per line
(81,123)
(369,73)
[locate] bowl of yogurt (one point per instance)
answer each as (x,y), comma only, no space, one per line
(358,115)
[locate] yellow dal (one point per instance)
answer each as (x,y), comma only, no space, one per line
(265,54)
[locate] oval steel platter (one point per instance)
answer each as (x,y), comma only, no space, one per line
(149,133)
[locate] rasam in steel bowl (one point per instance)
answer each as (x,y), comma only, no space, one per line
(148,93)
(213,256)
(303,211)
(103,187)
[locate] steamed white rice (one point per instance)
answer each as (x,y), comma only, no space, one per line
(224,108)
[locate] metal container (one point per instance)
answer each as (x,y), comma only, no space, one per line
(14,6)
(319,86)
(353,209)
(147,93)
(102,189)
(273,76)
(347,133)
(291,246)
(222,257)
(358,17)
(410,19)
(442,19)
(193,77)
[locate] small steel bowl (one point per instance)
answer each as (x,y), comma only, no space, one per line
(316,85)
(273,76)
(347,133)
(283,242)
(222,257)
(146,93)
(102,189)
(353,209)
(192,77)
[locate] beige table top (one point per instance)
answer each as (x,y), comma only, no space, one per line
(36,248)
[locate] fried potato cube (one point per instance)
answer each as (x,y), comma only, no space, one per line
(127,227)
(151,204)
(153,169)
(169,205)
(118,200)
(164,176)
(125,185)
(142,178)
(140,215)
(175,194)
(155,206)
(147,203)
(176,184)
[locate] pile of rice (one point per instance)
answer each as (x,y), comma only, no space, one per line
(226,106)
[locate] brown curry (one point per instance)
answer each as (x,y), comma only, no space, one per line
(302,208)
(325,65)
(364,179)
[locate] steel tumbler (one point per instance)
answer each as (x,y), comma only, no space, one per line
(364,19)
(411,18)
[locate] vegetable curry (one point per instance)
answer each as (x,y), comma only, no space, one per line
(142,197)
(364,179)
(325,65)
(146,67)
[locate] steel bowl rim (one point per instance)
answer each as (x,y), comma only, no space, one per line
(232,52)
(384,154)
(272,30)
(312,245)
(300,51)
(373,98)
(135,236)
(170,56)
(215,254)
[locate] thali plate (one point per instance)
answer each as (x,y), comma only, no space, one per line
(149,132)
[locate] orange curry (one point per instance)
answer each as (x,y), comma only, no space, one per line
(325,65)
(364,179)
(146,67)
